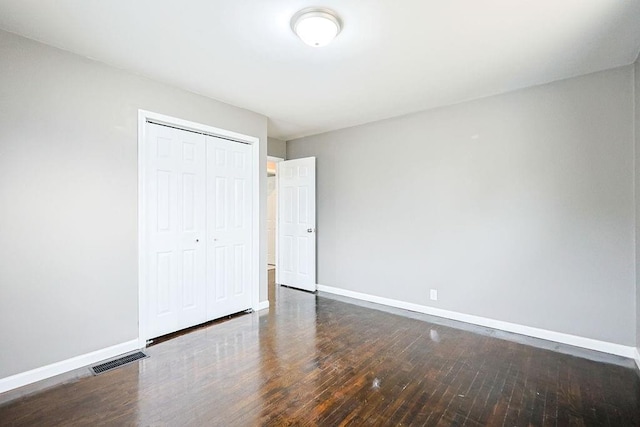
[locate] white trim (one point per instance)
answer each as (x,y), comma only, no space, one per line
(263,305)
(636,357)
(574,340)
(253,141)
(48,371)
(142,265)
(256,267)
(143,115)
(276,160)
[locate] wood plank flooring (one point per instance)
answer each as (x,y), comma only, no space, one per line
(311,360)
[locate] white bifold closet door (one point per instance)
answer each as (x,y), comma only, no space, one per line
(176,203)
(228,226)
(198,228)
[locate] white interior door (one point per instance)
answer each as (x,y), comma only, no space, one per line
(175,222)
(229,190)
(297,223)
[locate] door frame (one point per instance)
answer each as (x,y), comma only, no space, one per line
(143,117)
(276,160)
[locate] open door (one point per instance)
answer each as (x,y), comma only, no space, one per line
(296,264)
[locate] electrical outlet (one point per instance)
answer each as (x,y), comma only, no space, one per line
(433,294)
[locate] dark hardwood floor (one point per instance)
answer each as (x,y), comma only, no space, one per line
(311,360)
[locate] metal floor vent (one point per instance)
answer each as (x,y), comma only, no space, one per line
(113,364)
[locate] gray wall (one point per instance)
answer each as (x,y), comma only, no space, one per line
(276,148)
(517,207)
(68,198)
(637,197)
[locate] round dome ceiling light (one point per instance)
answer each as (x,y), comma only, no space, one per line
(316,26)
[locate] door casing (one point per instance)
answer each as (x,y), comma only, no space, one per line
(276,160)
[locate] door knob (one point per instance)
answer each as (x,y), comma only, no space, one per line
(309,230)
(197,240)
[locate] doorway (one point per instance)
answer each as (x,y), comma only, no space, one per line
(272,222)
(297,224)
(291,224)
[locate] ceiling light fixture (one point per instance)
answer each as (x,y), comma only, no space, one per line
(316,26)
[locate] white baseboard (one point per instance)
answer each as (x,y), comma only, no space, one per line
(262,305)
(574,340)
(637,357)
(48,371)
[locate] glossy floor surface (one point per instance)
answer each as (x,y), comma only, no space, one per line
(311,360)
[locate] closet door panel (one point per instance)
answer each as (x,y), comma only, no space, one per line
(175,179)
(229,236)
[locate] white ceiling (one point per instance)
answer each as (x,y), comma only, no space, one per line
(392,57)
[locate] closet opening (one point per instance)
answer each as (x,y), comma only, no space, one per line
(198,224)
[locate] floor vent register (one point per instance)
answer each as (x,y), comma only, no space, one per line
(113,364)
